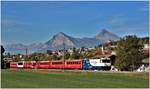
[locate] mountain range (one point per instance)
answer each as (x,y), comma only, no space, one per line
(61,41)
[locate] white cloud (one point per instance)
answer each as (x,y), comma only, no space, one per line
(144,9)
(8,23)
(123,25)
(117,20)
(11,24)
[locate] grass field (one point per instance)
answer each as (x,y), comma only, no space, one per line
(53,79)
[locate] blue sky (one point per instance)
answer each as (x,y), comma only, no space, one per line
(31,21)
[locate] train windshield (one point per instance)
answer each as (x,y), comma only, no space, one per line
(20,63)
(106,61)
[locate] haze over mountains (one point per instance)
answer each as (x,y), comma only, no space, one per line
(61,40)
(105,35)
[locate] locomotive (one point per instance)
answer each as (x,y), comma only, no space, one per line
(82,64)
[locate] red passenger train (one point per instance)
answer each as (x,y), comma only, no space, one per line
(61,64)
(85,64)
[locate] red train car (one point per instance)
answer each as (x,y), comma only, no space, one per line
(60,64)
(30,64)
(13,65)
(43,64)
(57,64)
(73,64)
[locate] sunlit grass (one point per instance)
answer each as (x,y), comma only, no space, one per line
(51,79)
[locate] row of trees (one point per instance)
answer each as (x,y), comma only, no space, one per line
(66,55)
(76,54)
(129,53)
(2,58)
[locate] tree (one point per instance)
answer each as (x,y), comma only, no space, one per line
(7,55)
(90,53)
(35,58)
(49,52)
(55,57)
(82,49)
(66,55)
(129,53)
(2,57)
(75,55)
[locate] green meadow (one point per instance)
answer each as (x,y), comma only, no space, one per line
(64,79)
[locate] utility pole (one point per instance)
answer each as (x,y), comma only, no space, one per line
(63,56)
(26,52)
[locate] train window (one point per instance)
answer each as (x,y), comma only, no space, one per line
(34,64)
(20,63)
(106,61)
(56,62)
(60,62)
(44,63)
(71,63)
(74,62)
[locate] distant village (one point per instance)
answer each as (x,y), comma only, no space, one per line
(107,49)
